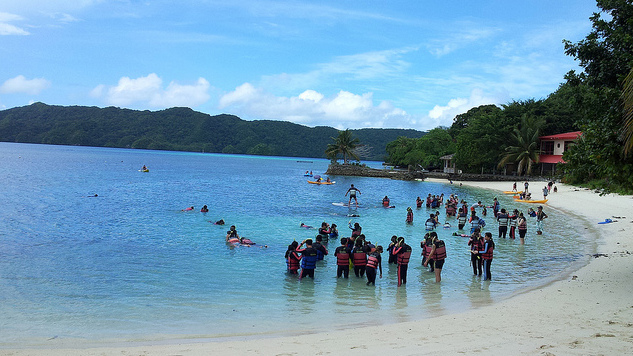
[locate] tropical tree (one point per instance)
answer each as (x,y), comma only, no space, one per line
(627,99)
(524,147)
(343,144)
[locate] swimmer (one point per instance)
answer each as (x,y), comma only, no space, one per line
(188,209)
(219,222)
(232,234)
(204,209)
(306,226)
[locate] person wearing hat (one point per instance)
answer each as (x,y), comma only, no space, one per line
(540,216)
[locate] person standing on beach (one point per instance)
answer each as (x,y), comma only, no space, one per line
(308,259)
(545,192)
(486,255)
(342,254)
(522,227)
(438,255)
(374,261)
(352,191)
(403,255)
(526,185)
(476,244)
(540,216)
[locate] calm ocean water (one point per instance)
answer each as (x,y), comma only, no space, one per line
(130,265)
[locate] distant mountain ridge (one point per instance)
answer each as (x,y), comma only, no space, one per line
(179,129)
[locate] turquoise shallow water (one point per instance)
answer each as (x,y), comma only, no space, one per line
(130,265)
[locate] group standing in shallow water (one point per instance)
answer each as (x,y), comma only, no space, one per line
(357,253)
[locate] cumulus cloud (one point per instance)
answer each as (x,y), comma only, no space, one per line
(149,91)
(342,110)
(7,29)
(444,115)
(20,84)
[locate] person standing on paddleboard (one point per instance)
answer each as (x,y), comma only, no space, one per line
(352,194)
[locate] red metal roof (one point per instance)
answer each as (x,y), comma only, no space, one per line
(551,159)
(568,136)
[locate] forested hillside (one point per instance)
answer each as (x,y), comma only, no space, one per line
(179,129)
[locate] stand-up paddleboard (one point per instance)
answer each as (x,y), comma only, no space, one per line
(345,204)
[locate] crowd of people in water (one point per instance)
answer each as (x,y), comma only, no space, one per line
(364,257)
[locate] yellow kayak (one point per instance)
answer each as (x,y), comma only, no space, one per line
(542,201)
(510,192)
(322,182)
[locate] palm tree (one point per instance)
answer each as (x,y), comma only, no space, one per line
(627,98)
(343,144)
(524,149)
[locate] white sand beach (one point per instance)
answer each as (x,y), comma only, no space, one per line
(589,312)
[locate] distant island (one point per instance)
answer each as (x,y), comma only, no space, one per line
(180,129)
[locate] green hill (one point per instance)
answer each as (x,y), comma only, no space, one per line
(179,129)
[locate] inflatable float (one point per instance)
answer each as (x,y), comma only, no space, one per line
(321,182)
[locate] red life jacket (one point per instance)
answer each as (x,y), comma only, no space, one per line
(426,249)
(403,255)
(372,261)
(359,258)
(293,261)
(410,217)
(440,251)
(342,258)
(488,254)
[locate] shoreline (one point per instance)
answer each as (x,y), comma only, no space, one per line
(585,311)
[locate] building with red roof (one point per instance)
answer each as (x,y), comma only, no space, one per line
(553,147)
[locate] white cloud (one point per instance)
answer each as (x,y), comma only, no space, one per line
(20,84)
(149,91)
(7,29)
(444,115)
(343,110)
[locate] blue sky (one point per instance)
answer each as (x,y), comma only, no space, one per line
(344,63)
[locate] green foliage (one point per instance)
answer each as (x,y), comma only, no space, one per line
(180,129)
(344,144)
(524,145)
(606,56)
(425,151)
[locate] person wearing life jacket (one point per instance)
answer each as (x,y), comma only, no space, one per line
(356,229)
(430,223)
(333,231)
(522,227)
(474,221)
(426,245)
(450,209)
(514,219)
(486,255)
(403,255)
(429,199)
(391,248)
(352,191)
(385,202)
(292,258)
(504,219)
(308,259)
(462,218)
(321,250)
(418,203)
(359,258)
(204,209)
(343,254)
(438,255)
(540,216)
(496,206)
(232,236)
(324,231)
(409,215)
(374,261)
(476,244)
